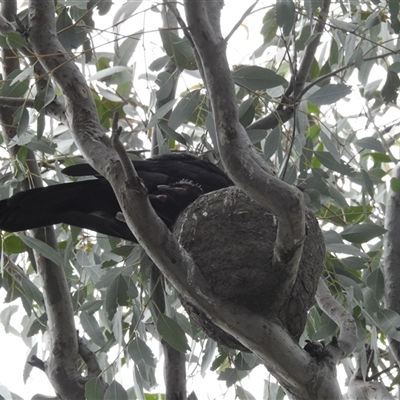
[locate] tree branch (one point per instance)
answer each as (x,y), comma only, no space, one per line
(244,164)
(391,257)
(347,341)
(310,50)
(54,110)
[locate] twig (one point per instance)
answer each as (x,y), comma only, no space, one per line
(119,148)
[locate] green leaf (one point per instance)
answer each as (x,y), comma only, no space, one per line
(115,391)
(371,303)
(389,322)
(15,40)
(362,233)
(105,5)
(160,113)
(124,52)
(12,244)
(270,26)
(368,184)
(329,144)
(256,135)
(172,133)
(329,94)
(390,88)
(257,78)
(356,214)
(229,375)
(247,111)
(165,81)
(172,333)
(116,295)
(285,13)
(394,12)
(42,248)
(329,162)
(272,143)
(94,390)
(91,306)
(345,249)
(346,282)
(44,97)
(395,67)
(376,282)
(334,53)
(139,351)
(14,89)
(154,396)
(370,143)
(379,157)
(70,35)
(91,327)
(184,109)
(242,394)
(354,263)
(395,184)
(179,50)
(159,63)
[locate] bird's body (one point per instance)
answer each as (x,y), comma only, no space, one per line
(91,204)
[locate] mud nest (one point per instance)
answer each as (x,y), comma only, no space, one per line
(231,238)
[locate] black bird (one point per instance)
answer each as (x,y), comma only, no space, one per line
(174,199)
(173,181)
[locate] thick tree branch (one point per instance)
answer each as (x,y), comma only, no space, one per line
(391,257)
(242,161)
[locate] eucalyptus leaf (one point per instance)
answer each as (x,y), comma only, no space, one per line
(362,233)
(172,333)
(42,248)
(140,351)
(257,78)
(115,391)
(329,94)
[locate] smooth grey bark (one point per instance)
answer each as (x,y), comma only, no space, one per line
(347,340)
(391,257)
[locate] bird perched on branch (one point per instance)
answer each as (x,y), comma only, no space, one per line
(173,181)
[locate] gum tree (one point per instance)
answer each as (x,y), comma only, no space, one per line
(278,127)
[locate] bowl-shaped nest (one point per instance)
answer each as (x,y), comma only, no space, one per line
(231,239)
